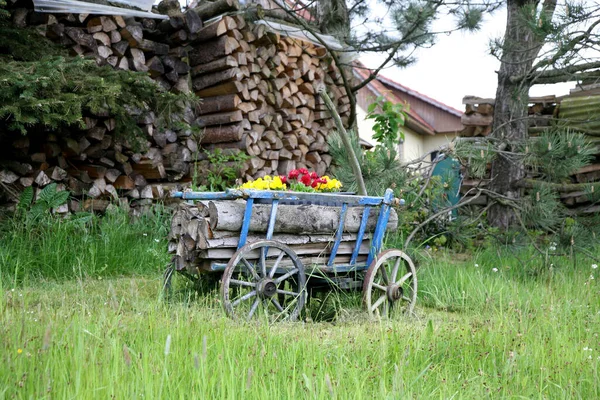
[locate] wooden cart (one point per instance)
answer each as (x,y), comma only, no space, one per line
(274,275)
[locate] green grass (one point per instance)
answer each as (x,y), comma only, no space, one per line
(477,334)
(495,324)
(83,245)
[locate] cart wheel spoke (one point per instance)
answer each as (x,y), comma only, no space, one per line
(380,287)
(250,268)
(244,297)
(277,305)
(274,268)
(379,302)
(395,269)
(404,278)
(242,283)
(384,275)
(406,299)
(287,293)
(285,276)
(263,260)
(254,307)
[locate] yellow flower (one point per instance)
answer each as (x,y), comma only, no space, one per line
(19,351)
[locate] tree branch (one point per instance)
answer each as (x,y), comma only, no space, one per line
(362,190)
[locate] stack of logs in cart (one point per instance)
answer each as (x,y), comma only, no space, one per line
(209,232)
(577,111)
(257,91)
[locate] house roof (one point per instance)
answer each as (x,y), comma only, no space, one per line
(415,121)
(429,116)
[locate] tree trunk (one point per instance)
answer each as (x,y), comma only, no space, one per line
(520,49)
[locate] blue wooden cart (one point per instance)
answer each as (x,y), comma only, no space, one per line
(267,275)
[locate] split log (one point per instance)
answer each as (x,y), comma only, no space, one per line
(213,50)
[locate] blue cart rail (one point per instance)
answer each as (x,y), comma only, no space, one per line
(267,279)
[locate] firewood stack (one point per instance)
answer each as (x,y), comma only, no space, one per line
(259,96)
(209,232)
(577,111)
(258,92)
(479,115)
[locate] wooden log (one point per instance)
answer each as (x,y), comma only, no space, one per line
(208,10)
(228,216)
(312,249)
(219,118)
(193,22)
(217,104)
(216,78)
(221,134)
(215,66)
(222,89)
(213,50)
(215,30)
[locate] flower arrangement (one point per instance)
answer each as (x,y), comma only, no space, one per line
(298,180)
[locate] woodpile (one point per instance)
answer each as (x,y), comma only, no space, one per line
(258,97)
(577,111)
(479,115)
(208,232)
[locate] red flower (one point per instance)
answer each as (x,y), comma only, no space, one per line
(303,171)
(305,179)
(283,178)
(314,175)
(314,184)
(293,174)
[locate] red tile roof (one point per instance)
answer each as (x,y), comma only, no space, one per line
(381,90)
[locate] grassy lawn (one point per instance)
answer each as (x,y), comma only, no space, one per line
(516,332)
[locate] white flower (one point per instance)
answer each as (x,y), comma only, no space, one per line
(157,240)
(145,234)
(552,248)
(495,269)
(594,266)
(476,265)
(591,277)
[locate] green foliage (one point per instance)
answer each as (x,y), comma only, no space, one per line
(476,156)
(223,169)
(556,154)
(380,167)
(48,199)
(58,91)
(26,44)
(389,120)
(3,13)
(542,209)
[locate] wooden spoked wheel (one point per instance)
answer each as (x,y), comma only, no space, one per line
(390,285)
(264,279)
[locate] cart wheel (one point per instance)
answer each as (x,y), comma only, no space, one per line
(390,284)
(264,276)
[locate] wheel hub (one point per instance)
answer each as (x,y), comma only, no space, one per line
(395,292)
(266,288)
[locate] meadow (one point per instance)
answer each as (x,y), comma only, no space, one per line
(82,317)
